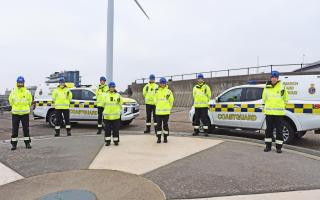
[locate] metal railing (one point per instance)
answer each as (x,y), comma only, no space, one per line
(231,72)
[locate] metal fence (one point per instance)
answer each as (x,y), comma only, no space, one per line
(232,72)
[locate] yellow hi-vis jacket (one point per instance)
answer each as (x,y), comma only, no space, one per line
(61,97)
(275,99)
(201,95)
(149,93)
(112,105)
(164,101)
(100,94)
(20,100)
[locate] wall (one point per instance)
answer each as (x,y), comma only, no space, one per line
(182,90)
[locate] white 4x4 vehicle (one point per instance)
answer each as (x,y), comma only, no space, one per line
(241,107)
(82,108)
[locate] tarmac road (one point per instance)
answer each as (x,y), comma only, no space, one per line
(179,122)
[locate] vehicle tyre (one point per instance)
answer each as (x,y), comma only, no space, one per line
(300,134)
(126,123)
(288,132)
(52,119)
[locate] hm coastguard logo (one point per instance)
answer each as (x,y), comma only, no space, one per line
(312,89)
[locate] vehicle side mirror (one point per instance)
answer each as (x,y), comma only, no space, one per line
(217,99)
(94,98)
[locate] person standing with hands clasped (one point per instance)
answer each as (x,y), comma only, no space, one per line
(275,98)
(164,102)
(149,92)
(62,97)
(112,112)
(102,89)
(201,97)
(20,100)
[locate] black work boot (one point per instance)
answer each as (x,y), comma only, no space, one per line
(108,143)
(14,147)
(268,148)
(195,133)
(68,132)
(116,143)
(28,146)
(159,139)
(99,131)
(147,129)
(279,151)
(57,133)
(165,140)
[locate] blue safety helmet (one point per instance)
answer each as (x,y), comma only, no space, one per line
(200,76)
(102,78)
(163,81)
(20,79)
(152,77)
(112,84)
(62,80)
(275,74)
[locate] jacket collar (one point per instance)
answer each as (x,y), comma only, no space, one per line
(269,84)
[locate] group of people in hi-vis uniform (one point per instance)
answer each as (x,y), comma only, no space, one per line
(159,101)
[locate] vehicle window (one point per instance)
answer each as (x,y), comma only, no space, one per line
(76,94)
(253,94)
(87,95)
(231,96)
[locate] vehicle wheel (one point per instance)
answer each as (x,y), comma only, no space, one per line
(288,132)
(52,119)
(300,134)
(126,123)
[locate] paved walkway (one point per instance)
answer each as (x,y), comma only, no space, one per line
(139,168)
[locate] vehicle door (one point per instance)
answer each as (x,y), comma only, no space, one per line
(75,102)
(87,106)
(227,109)
(252,108)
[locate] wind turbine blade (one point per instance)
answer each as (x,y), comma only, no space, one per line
(142,9)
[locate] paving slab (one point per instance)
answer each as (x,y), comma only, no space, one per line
(233,168)
(139,154)
(7,175)
(105,184)
(52,154)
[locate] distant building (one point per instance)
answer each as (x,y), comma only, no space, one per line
(70,76)
(313,67)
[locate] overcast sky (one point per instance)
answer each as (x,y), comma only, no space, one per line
(38,37)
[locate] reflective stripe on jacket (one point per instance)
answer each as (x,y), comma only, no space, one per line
(112,102)
(99,94)
(61,97)
(20,100)
(275,99)
(149,93)
(164,101)
(201,95)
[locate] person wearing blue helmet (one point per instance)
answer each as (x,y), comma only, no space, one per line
(20,100)
(149,91)
(61,97)
(201,97)
(111,114)
(101,91)
(275,98)
(164,102)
